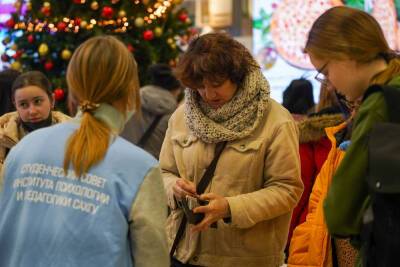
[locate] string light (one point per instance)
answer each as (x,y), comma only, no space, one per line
(158,10)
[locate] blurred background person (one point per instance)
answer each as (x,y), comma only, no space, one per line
(321,135)
(315,146)
(159,99)
(7,77)
(298,98)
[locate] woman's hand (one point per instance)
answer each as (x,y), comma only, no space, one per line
(217,208)
(183,188)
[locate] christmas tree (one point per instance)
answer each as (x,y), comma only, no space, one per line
(42,35)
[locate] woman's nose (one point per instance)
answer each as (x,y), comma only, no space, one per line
(210,93)
(32,109)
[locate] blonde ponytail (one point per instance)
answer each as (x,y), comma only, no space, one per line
(101,70)
(87,145)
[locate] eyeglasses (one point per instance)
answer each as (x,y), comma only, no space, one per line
(320,76)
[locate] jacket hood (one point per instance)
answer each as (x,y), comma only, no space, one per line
(157,100)
(313,128)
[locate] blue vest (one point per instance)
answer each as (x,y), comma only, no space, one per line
(48,218)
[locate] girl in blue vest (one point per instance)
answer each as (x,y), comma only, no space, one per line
(76,194)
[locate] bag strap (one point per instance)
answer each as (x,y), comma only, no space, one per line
(200,188)
(178,236)
(149,131)
(392,98)
(209,174)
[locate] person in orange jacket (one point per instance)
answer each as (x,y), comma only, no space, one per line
(314,147)
(311,244)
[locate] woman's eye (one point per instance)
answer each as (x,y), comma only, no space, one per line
(38,101)
(23,105)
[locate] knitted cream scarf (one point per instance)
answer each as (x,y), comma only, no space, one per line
(236,119)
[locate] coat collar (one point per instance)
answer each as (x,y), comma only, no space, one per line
(10,132)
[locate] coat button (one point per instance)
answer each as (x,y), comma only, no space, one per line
(378,185)
(195,258)
(242,146)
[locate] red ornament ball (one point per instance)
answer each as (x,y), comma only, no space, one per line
(31,38)
(49,65)
(10,23)
(61,26)
(183,17)
(78,2)
(107,12)
(18,54)
(148,35)
(46,11)
(130,48)
(78,21)
(59,94)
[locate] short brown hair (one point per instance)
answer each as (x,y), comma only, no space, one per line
(214,57)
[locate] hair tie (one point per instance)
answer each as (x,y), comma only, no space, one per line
(87,106)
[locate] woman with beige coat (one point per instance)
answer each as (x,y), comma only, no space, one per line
(256,183)
(32,97)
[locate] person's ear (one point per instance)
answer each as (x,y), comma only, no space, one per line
(72,105)
(52,101)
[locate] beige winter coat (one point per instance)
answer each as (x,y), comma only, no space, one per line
(11,131)
(260,177)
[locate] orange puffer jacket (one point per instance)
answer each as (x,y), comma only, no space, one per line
(311,242)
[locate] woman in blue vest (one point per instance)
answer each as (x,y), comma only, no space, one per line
(76,194)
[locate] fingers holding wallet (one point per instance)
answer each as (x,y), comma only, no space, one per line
(218,208)
(183,188)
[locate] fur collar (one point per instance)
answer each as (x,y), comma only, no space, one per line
(313,128)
